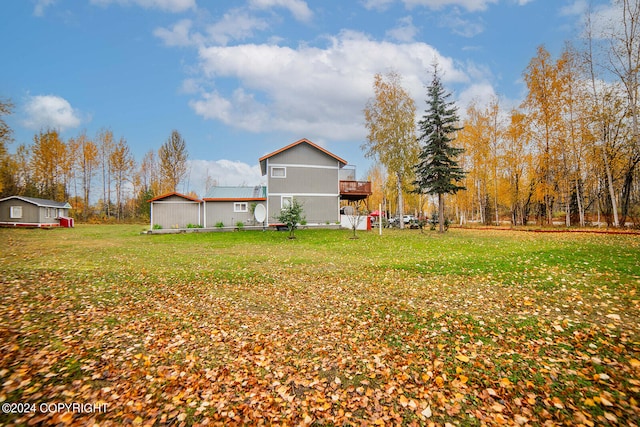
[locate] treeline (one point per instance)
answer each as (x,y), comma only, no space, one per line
(569,153)
(98,175)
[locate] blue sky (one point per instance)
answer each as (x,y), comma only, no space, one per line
(239,79)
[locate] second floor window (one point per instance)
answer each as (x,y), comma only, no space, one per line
(278,172)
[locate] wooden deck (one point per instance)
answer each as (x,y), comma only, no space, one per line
(355,190)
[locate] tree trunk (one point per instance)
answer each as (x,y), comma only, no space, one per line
(400,201)
(612,194)
(441,212)
(627,188)
(481,204)
(579,200)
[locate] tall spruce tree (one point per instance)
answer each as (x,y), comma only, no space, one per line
(437,171)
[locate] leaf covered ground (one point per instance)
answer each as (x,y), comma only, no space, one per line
(248,328)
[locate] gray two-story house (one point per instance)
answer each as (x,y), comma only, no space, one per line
(314,177)
(304,171)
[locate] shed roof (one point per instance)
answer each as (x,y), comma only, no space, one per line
(40,202)
(173,193)
(236,193)
(298,142)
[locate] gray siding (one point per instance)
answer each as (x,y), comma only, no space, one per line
(312,178)
(305,180)
(316,209)
(304,154)
(31,214)
(223,212)
(175,212)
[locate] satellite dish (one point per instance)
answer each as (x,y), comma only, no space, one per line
(260,213)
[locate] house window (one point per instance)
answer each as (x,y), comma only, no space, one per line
(16,211)
(240,207)
(278,172)
(286,202)
(47,212)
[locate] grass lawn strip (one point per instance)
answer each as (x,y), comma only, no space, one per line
(470,328)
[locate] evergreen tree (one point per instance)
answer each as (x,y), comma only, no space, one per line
(437,171)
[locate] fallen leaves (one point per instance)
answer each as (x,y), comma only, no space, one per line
(462,358)
(309,342)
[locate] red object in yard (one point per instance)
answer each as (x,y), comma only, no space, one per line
(368,223)
(66,222)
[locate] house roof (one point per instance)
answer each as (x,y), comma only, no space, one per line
(40,202)
(298,142)
(173,193)
(224,194)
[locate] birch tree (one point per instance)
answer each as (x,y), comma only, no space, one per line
(49,162)
(122,164)
(87,163)
(173,157)
(105,147)
(544,109)
(623,36)
(391,139)
(474,137)
(517,167)
(6,182)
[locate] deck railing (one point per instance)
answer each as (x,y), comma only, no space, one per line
(355,188)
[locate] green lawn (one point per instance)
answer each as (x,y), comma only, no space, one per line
(474,327)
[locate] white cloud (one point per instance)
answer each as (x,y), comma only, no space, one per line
(311,90)
(606,20)
(577,8)
(379,5)
(235,25)
(223,172)
(470,5)
(463,27)
(41,5)
(50,111)
(405,31)
(178,35)
(166,5)
(481,92)
(298,8)
(190,86)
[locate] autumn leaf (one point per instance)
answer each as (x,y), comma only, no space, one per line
(462,358)
(426,412)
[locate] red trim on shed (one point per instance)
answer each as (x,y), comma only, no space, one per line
(232,199)
(164,196)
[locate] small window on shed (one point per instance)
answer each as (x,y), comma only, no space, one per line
(240,207)
(16,211)
(278,172)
